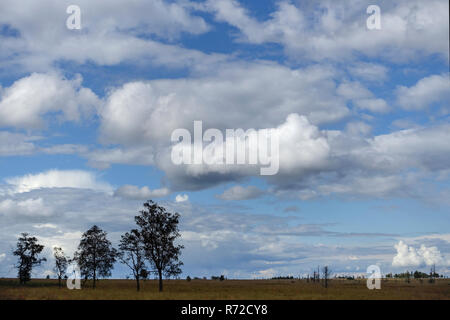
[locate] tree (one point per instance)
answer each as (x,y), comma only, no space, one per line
(131,253)
(27,250)
(432,273)
(159,230)
(318,274)
(61,262)
(95,255)
(326,275)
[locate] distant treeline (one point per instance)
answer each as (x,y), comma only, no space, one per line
(416,275)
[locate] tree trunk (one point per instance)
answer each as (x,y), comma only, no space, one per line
(160,280)
(138,286)
(93,285)
(59,281)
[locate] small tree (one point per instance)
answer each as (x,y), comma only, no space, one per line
(95,255)
(131,253)
(159,230)
(61,262)
(27,250)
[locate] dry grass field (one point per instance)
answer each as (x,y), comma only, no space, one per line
(39,289)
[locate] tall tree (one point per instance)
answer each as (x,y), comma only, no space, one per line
(132,253)
(159,230)
(95,255)
(61,263)
(27,250)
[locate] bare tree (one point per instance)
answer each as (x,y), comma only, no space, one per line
(159,230)
(318,274)
(61,262)
(27,250)
(131,253)
(326,275)
(432,273)
(95,255)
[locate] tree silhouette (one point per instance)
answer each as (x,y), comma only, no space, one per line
(61,262)
(95,255)
(326,275)
(27,250)
(159,230)
(131,253)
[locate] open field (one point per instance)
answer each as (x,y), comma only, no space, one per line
(229,289)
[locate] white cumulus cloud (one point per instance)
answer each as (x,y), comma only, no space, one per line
(181,198)
(25,103)
(409,256)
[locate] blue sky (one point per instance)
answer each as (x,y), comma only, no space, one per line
(86,117)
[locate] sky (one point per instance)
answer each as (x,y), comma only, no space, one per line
(362,115)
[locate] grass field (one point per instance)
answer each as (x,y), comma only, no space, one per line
(39,289)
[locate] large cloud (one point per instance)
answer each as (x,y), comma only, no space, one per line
(302,150)
(141,116)
(311,160)
(255,95)
(408,256)
(26,102)
(397,164)
(110,33)
(337,30)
